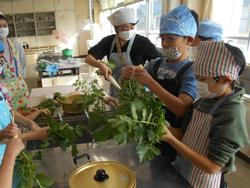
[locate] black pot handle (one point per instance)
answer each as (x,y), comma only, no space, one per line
(81,156)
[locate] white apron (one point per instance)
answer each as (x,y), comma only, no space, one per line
(196,137)
(121,59)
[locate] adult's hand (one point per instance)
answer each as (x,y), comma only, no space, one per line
(105,70)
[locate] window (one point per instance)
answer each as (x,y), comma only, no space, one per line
(141,15)
(235,19)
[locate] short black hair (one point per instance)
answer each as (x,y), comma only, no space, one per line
(2,17)
(238,56)
(196,17)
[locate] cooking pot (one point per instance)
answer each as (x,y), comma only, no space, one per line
(70,104)
(104,174)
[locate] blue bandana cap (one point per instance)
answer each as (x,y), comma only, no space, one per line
(179,21)
(1,47)
(210,29)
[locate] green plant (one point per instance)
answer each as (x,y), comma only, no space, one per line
(62,134)
(110,64)
(50,104)
(26,172)
(139,118)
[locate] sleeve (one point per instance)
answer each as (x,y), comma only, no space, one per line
(189,83)
(228,134)
(22,58)
(102,49)
(150,51)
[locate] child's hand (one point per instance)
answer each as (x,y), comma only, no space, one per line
(127,72)
(14,147)
(45,111)
(42,133)
(111,101)
(9,131)
(142,76)
(167,136)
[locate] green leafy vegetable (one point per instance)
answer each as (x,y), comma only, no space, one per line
(62,134)
(26,172)
(50,104)
(110,64)
(140,118)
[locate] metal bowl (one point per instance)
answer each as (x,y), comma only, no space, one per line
(70,104)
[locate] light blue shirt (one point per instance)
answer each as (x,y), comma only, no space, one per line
(170,70)
(5,120)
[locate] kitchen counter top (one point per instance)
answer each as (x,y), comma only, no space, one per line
(154,174)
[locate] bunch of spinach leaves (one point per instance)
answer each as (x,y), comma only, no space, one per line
(140,118)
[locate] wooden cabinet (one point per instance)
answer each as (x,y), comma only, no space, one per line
(6,7)
(64,5)
(22,6)
(44,6)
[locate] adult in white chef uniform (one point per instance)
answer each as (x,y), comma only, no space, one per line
(123,48)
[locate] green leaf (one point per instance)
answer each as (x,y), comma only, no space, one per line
(103,133)
(151,135)
(133,111)
(147,152)
(121,138)
(79,130)
(44,180)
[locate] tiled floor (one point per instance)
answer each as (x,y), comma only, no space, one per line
(240,178)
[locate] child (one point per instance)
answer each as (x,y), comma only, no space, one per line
(14,147)
(33,113)
(207,30)
(217,129)
(171,78)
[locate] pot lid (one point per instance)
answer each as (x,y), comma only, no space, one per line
(104,174)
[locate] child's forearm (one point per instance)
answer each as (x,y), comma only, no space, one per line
(32,135)
(6,170)
(177,105)
(196,158)
(20,119)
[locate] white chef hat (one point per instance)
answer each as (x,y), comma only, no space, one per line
(3,15)
(123,16)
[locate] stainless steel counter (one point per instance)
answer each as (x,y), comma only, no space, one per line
(154,174)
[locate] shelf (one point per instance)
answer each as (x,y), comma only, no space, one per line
(25,23)
(21,24)
(25,29)
(45,21)
(45,28)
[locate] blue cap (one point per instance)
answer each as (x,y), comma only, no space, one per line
(210,29)
(179,21)
(1,46)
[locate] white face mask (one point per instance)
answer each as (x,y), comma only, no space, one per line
(202,88)
(127,35)
(4,32)
(171,53)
